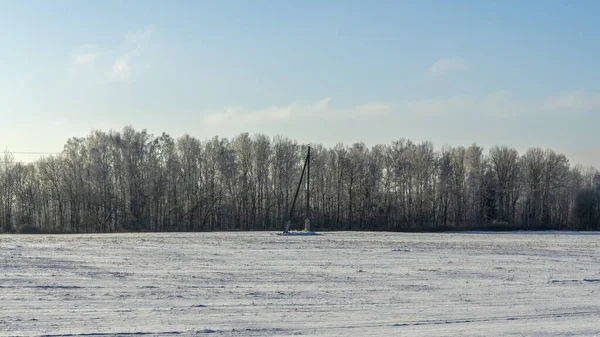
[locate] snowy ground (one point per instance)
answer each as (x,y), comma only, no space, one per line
(336,284)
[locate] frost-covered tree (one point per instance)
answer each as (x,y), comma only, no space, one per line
(131,180)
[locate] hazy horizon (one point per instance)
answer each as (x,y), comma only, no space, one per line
(343,71)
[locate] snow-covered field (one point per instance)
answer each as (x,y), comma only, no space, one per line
(336,284)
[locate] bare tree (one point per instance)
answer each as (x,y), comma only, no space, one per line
(130,180)
(505,163)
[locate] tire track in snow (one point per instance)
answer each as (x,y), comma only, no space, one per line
(501,318)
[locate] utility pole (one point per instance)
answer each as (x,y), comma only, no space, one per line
(288,222)
(307,221)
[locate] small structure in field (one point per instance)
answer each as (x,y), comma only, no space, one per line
(306,231)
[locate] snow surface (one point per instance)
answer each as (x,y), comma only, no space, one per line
(335,284)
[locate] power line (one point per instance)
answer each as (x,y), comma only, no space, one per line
(17,162)
(32,152)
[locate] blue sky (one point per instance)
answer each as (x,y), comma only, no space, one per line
(516,73)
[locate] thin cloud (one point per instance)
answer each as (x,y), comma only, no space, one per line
(84,58)
(573,101)
(84,55)
(501,104)
(121,68)
(447,65)
(244,116)
(112,63)
(374,109)
(124,65)
(321,109)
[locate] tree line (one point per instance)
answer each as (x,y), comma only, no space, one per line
(133,181)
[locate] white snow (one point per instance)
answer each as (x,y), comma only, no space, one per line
(334,284)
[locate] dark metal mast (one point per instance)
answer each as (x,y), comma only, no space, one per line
(306,164)
(308,184)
